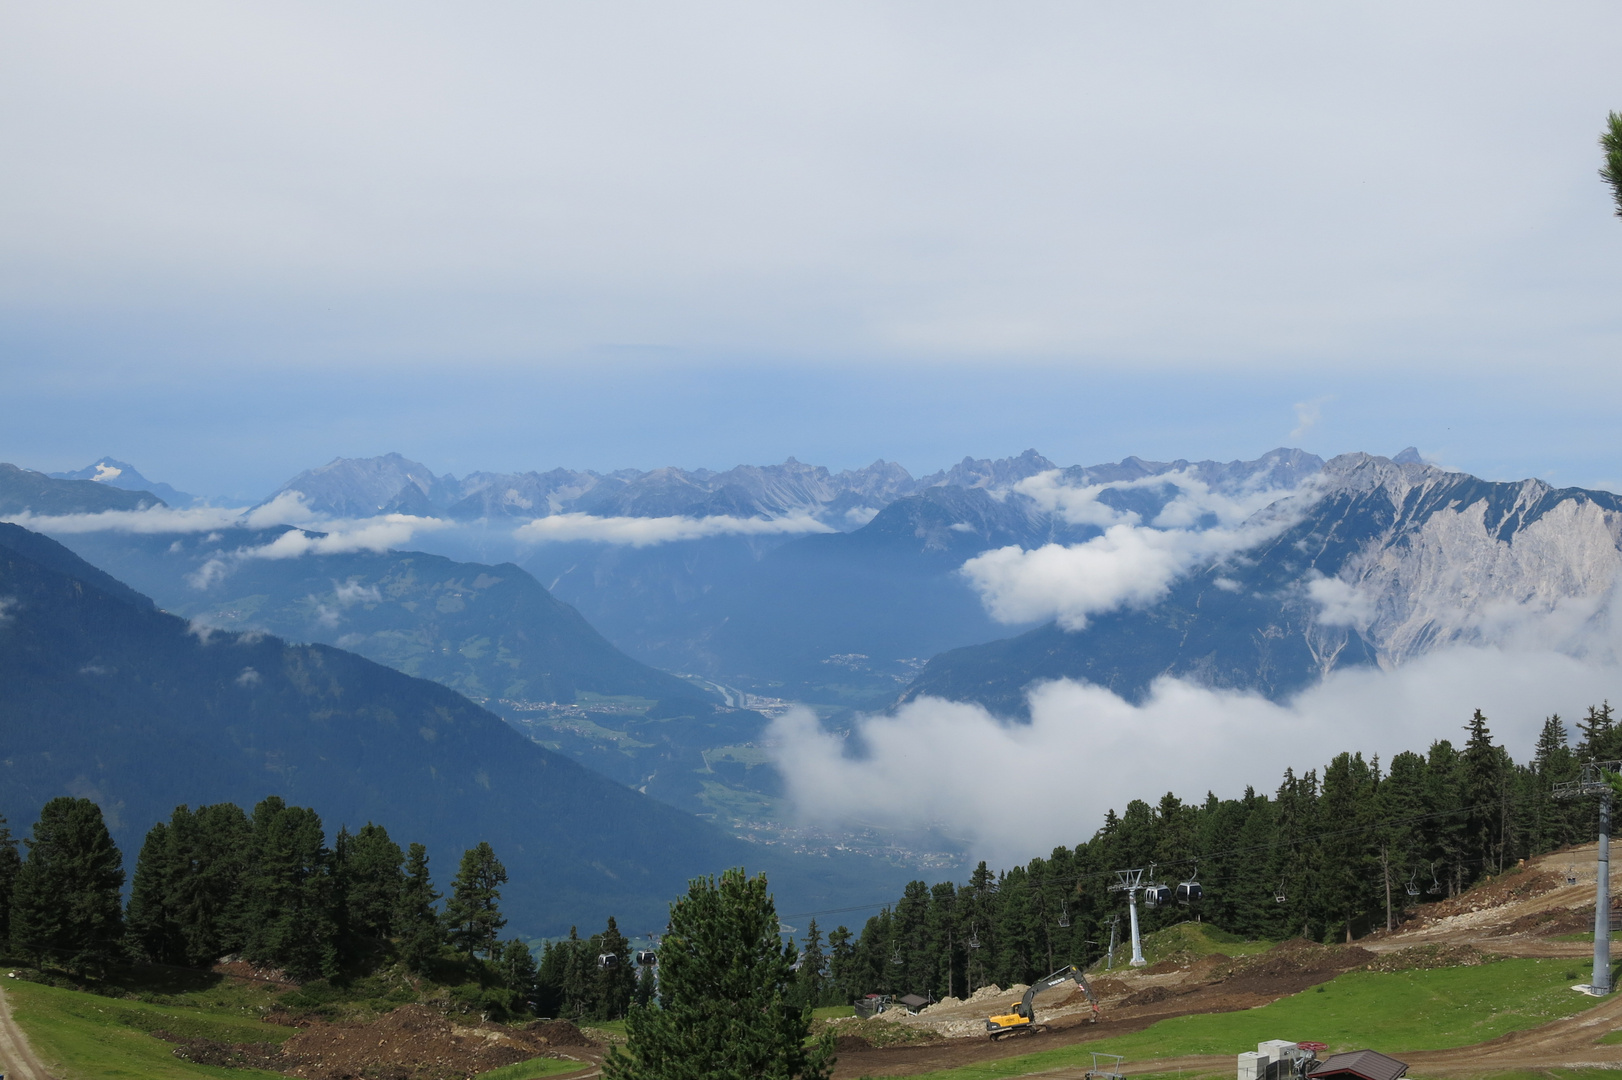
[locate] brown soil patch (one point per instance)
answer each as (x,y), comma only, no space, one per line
(414,1042)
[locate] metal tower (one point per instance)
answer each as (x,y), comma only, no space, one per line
(1591,781)
(1130,882)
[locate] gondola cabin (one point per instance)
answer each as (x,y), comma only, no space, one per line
(1189,892)
(1157,895)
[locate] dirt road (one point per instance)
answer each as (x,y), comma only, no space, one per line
(15,1053)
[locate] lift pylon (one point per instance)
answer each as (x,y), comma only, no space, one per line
(1131,882)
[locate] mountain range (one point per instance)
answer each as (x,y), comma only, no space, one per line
(1309,567)
(108,698)
(1382,561)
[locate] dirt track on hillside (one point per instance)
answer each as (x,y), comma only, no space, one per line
(15,1053)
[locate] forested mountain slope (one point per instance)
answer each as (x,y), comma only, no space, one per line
(112,700)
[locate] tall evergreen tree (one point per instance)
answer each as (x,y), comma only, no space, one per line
(725,986)
(10,863)
(518,973)
(473,912)
(415,921)
(286,907)
(616,980)
(66,909)
(811,986)
(371,880)
(153,933)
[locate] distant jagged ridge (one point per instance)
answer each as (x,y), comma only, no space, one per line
(1391,560)
(363,487)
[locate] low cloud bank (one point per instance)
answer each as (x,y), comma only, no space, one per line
(645,532)
(1015,790)
(1132,564)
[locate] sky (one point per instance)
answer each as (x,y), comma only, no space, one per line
(238,241)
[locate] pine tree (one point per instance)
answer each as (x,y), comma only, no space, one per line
(1483,789)
(1610,141)
(811,984)
(616,980)
(725,982)
(66,905)
(153,933)
(286,907)
(518,973)
(415,921)
(472,913)
(10,863)
(841,965)
(646,986)
(371,880)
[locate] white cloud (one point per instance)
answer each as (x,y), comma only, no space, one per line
(248,677)
(6,604)
(1340,603)
(345,537)
(1130,564)
(288,508)
(210,574)
(156,519)
(645,532)
(955,766)
(1307,415)
(1125,566)
(353,592)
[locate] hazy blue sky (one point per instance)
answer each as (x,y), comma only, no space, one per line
(237,241)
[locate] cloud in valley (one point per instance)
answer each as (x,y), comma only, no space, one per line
(1131,564)
(1086,750)
(647,531)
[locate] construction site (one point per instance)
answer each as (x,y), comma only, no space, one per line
(1480,984)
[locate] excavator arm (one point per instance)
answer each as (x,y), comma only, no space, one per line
(1023,1018)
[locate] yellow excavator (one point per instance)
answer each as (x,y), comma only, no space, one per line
(1022,1021)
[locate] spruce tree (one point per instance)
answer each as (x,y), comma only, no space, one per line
(10,863)
(66,904)
(616,980)
(415,921)
(210,848)
(472,913)
(812,975)
(725,982)
(152,931)
(371,879)
(286,909)
(518,973)
(646,986)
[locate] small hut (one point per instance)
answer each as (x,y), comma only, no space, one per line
(1359,1065)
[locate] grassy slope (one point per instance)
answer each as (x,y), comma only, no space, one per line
(87,1036)
(100,1038)
(1409,1010)
(531,1070)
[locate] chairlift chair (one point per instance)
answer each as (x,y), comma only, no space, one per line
(973,941)
(1413,883)
(1436,884)
(1571,874)
(1279,897)
(1064,916)
(895,956)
